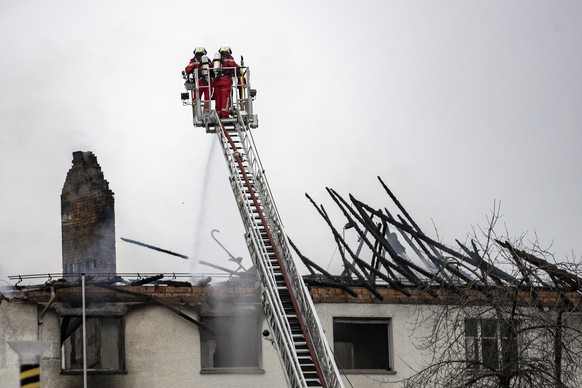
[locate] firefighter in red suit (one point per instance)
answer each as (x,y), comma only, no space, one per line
(223,83)
(201,64)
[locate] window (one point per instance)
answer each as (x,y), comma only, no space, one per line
(490,344)
(104,344)
(236,347)
(362,344)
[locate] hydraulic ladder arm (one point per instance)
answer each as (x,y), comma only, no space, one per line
(297,334)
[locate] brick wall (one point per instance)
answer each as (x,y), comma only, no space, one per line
(87,218)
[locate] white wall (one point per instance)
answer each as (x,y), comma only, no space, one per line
(404,353)
(161,350)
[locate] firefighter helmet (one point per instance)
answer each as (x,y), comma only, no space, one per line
(200,50)
(225,49)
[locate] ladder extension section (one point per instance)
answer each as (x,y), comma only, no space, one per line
(295,328)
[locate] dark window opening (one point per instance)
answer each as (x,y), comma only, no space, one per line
(104,344)
(235,347)
(362,343)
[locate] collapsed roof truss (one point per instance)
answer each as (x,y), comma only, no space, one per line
(431,264)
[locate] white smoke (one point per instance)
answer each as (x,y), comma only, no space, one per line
(7,290)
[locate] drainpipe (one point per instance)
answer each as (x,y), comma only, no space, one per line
(29,353)
(48,305)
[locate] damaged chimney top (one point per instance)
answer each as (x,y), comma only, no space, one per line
(87,218)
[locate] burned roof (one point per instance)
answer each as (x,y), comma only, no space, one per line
(382,258)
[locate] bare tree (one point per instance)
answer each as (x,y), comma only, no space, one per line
(523,334)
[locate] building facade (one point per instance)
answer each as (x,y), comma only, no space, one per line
(140,336)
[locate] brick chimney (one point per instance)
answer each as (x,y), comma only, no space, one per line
(87,218)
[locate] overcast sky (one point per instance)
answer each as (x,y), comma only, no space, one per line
(455,104)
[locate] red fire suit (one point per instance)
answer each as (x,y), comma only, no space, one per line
(223,85)
(204,84)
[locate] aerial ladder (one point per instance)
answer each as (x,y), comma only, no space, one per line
(295,329)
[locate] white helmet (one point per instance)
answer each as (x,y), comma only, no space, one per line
(200,50)
(225,49)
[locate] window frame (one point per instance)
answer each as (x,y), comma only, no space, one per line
(388,322)
(120,324)
(474,344)
(205,337)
